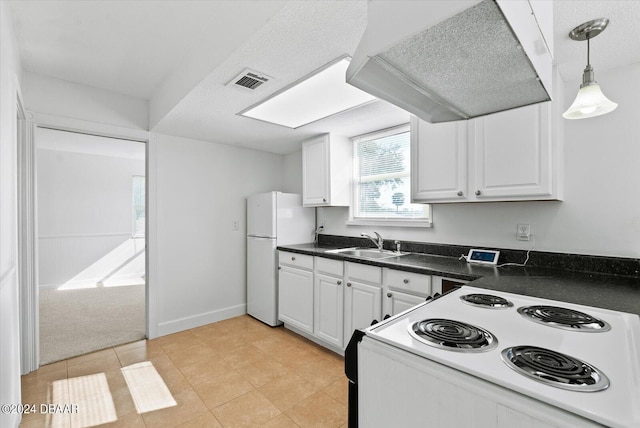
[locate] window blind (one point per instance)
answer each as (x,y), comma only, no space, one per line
(382,177)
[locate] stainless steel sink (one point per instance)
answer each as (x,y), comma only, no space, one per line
(367,253)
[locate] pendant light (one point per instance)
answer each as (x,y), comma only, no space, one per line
(590,101)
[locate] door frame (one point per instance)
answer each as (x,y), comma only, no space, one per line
(27,215)
(27,242)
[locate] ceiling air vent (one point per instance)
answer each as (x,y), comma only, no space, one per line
(249,79)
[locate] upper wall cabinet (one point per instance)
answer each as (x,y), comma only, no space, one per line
(326,171)
(438,161)
(508,156)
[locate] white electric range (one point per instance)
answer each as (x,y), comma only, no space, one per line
(593,357)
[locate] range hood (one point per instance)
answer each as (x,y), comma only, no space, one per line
(452,60)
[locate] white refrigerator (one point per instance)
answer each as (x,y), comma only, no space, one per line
(273,218)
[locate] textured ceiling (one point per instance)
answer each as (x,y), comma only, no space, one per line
(303,37)
(136,47)
(618,45)
(130,47)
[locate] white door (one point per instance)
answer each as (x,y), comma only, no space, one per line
(438,160)
(363,304)
(315,171)
(513,151)
(329,313)
(296,298)
(261,215)
(397,302)
(262,289)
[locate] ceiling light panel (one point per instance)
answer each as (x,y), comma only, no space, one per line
(323,94)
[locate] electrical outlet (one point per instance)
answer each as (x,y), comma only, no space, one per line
(235,225)
(523,232)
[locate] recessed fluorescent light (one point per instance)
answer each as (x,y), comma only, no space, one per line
(322,94)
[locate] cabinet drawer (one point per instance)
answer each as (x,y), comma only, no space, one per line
(410,282)
(299,260)
(358,272)
(330,267)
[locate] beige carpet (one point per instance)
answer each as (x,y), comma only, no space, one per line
(75,322)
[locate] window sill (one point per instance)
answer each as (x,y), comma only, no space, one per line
(389,223)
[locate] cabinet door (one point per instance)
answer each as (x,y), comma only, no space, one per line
(328,313)
(513,153)
(363,304)
(396,302)
(295,298)
(438,160)
(315,172)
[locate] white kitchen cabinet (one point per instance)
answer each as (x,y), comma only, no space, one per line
(329,301)
(326,171)
(438,160)
(396,302)
(295,295)
(508,156)
(513,154)
(404,290)
(363,297)
(328,310)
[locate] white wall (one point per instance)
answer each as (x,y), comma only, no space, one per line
(9,281)
(196,190)
(66,99)
(85,209)
(201,190)
(292,172)
(600,214)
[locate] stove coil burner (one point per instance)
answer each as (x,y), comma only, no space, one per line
(453,335)
(486,301)
(555,369)
(564,318)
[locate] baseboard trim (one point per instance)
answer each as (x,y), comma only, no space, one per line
(175,326)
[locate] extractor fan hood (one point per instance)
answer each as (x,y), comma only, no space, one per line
(452,60)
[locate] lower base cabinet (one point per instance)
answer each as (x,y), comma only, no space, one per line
(328,309)
(396,302)
(363,296)
(363,305)
(329,299)
(404,290)
(295,298)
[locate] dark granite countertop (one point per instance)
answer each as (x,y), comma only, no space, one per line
(620,293)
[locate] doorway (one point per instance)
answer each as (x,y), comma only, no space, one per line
(91,242)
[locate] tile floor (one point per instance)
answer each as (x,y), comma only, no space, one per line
(234,373)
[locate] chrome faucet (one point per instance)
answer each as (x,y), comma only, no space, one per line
(379,242)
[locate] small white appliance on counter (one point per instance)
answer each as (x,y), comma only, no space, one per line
(273,218)
(482,358)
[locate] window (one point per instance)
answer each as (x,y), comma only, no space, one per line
(382,180)
(138,206)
